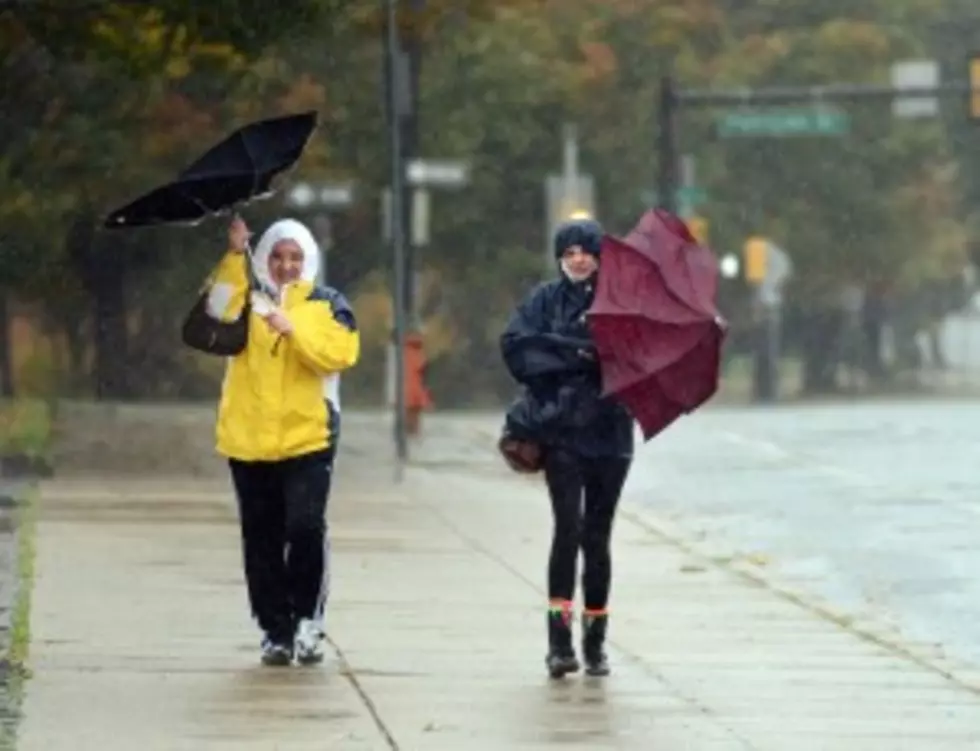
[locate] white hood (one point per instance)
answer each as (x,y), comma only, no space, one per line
(286,229)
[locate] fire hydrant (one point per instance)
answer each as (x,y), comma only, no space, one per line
(417,396)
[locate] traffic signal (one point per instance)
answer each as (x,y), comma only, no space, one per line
(756,256)
(699,228)
(974,96)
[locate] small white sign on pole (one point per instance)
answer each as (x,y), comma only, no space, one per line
(778,270)
(915,74)
(430,172)
(336,195)
(421,216)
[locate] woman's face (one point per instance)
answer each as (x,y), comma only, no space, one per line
(578,264)
(285,262)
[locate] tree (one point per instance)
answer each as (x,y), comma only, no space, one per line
(113,81)
(154,83)
(832,202)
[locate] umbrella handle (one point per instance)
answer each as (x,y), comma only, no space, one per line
(253,278)
(248,244)
(249,253)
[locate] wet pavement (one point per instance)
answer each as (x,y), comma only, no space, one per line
(436,609)
(874,509)
(867,512)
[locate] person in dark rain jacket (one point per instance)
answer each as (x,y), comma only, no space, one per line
(586,440)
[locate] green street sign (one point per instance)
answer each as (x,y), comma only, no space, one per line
(784,121)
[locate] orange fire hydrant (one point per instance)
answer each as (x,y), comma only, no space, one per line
(417,396)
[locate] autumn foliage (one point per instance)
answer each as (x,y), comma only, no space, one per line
(122,94)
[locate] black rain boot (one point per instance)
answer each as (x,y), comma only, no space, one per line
(561,659)
(593,644)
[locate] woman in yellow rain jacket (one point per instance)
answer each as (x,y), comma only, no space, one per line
(278,425)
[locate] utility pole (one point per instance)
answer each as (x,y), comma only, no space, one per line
(396,107)
(569,194)
(411,45)
(6,359)
(570,163)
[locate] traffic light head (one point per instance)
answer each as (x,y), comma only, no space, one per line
(756,255)
(699,228)
(974,95)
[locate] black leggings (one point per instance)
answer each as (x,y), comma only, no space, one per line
(282,507)
(571,480)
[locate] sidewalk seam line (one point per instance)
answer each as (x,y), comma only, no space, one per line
(636,659)
(350,675)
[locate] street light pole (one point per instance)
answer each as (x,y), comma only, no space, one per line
(397,228)
(409,123)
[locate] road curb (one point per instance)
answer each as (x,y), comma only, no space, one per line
(865,631)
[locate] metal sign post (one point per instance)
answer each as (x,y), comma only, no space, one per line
(569,195)
(397,235)
(775,270)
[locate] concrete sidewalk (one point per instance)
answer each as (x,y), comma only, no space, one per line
(142,641)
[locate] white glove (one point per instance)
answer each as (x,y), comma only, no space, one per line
(262,304)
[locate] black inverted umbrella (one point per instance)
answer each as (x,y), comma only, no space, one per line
(234,172)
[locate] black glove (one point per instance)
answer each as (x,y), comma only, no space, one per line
(577,329)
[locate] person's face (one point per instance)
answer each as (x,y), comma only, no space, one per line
(578,264)
(285,262)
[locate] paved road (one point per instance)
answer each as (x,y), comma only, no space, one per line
(873,507)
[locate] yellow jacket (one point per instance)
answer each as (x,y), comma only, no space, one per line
(274,397)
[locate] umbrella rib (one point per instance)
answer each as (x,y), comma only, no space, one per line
(197,202)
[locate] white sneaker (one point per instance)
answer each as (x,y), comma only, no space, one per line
(309,643)
(275,654)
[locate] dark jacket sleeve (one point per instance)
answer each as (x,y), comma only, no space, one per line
(531,351)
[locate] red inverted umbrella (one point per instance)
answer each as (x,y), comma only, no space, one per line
(654,322)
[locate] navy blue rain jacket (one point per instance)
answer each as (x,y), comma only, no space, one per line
(560,406)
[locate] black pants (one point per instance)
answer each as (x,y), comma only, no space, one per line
(282,507)
(584,495)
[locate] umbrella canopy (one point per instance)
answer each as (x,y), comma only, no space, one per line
(237,170)
(657,331)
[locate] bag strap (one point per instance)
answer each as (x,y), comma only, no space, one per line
(253,282)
